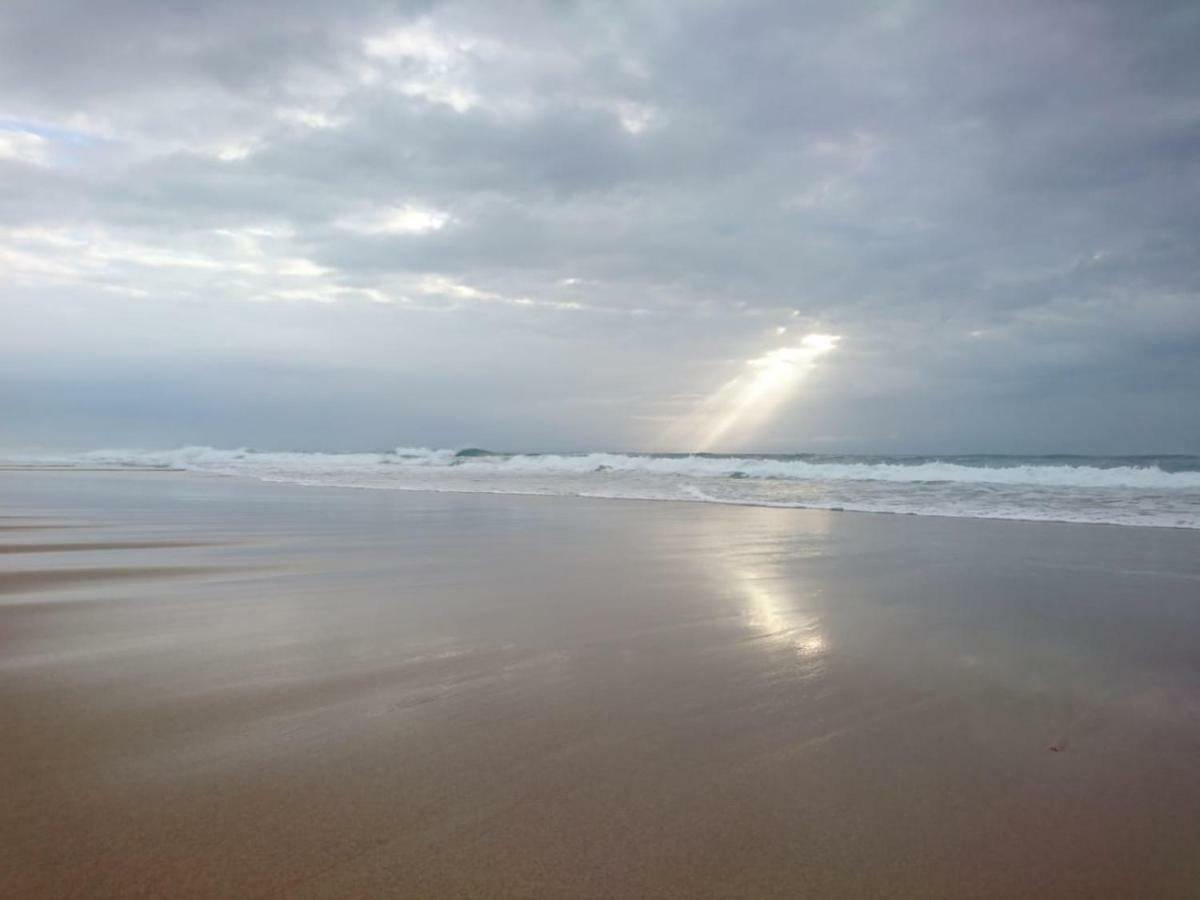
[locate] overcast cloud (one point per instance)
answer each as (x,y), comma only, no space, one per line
(563,225)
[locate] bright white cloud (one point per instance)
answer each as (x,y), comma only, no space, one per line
(407,219)
(24,146)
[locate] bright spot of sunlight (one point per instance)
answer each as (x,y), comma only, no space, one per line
(776,617)
(747,402)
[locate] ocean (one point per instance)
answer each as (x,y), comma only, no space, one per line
(1155,491)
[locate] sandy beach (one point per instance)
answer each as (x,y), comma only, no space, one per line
(213,687)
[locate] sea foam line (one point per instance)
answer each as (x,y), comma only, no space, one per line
(250,462)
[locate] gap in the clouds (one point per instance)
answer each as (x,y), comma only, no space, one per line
(740,408)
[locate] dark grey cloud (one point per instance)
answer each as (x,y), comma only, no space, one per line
(550,224)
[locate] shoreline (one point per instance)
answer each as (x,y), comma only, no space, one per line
(583,496)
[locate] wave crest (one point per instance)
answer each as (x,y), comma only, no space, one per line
(922,471)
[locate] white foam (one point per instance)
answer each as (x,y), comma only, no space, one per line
(212,459)
(1114,494)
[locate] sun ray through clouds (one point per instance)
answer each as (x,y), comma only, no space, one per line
(747,402)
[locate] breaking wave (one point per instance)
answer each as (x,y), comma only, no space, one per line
(920,470)
(1151,491)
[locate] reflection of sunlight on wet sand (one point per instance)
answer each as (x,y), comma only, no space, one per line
(756,563)
(749,400)
(774,616)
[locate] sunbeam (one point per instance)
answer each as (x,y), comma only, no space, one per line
(748,401)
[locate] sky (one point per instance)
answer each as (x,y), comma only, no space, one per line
(926,227)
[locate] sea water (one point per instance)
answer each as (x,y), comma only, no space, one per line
(1159,491)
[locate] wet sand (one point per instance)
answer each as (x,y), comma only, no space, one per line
(219,688)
